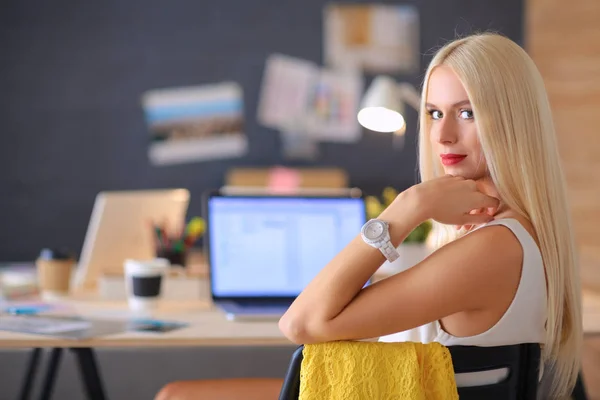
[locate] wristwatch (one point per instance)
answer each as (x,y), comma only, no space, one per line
(375,233)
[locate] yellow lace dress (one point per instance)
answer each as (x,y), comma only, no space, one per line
(374,370)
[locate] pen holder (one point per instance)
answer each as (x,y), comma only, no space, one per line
(176,258)
(173,246)
(54,269)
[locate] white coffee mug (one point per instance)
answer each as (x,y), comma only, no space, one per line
(143,280)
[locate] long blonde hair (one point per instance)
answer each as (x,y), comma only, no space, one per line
(517,136)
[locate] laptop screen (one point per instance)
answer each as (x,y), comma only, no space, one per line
(274,246)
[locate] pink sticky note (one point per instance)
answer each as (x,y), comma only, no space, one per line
(283,180)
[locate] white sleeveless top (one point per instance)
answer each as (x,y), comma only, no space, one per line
(523,322)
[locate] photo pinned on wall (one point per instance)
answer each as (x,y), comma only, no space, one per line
(309,104)
(196,123)
(375,38)
(333,104)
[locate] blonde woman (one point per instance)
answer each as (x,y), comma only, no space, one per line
(492,182)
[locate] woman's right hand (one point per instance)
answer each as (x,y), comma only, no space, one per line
(453,200)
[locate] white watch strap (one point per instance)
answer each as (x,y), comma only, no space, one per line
(389,251)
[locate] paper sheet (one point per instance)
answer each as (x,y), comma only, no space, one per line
(41,325)
(63,326)
(376,38)
(286,86)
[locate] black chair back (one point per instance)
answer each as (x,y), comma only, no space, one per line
(521,382)
(522,362)
(291,383)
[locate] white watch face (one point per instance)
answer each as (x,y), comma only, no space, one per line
(374,230)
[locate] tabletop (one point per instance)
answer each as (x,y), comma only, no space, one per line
(206,326)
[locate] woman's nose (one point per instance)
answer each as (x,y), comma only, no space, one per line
(446,132)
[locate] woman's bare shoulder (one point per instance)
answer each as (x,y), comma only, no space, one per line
(526,223)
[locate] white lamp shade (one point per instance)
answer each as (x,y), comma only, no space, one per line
(381,108)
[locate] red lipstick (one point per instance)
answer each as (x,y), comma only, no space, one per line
(451,159)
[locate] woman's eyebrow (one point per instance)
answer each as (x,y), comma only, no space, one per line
(457,104)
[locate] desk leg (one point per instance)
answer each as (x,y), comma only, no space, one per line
(51,374)
(30,374)
(89,373)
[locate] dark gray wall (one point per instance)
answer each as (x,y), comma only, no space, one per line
(71,75)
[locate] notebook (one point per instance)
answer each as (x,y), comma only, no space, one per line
(264,249)
(67,327)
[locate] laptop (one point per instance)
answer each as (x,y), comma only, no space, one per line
(262,250)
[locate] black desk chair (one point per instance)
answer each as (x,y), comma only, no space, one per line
(522,361)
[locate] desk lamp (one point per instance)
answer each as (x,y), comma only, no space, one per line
(382,107)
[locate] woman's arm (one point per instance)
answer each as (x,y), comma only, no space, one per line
(334,306)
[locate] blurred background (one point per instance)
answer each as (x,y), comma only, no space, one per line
(73,75)
(128,95)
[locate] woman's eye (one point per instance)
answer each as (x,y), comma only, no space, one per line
(435,114)
(466,114)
